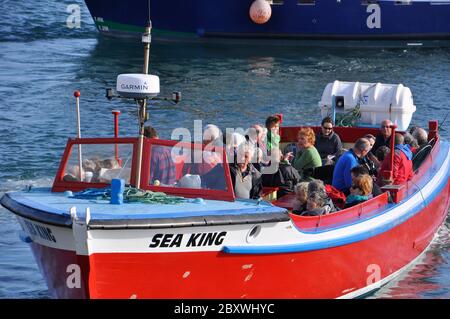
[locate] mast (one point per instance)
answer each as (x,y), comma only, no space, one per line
(142,114)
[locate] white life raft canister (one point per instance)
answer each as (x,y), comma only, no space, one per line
(377,102)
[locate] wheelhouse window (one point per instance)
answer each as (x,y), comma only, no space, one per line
(306,2)
(186,167)
(100,163)
(403,2)
(276,2)
(367,2)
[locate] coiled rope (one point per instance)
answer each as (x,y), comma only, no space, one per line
(130,195)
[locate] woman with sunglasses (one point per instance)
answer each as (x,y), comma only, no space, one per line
(360,191)
(328,143)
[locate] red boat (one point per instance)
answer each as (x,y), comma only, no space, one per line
(202,242)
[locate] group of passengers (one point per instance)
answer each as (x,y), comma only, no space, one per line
(93,170)
(354,175)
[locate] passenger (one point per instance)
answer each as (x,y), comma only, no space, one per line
(212,137)
(307,157)
(382,152)
(109,163)
(214,179)
(342,178)
(362,170)
(103,166)
(256,136)
(370,161)
(273,132)
(403,169)
(162,167)
(315,205)
(412,129)
(73,174)
(384,138)
(245,178)
(317,186)
(301,196)
(421,136)
(360,191)
(372,139)
(150,132)
(328,143)
(285,178)
(232,143)
(411,142)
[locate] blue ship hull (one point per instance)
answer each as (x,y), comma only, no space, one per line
(326,19)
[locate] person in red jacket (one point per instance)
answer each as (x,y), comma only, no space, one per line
(403,168)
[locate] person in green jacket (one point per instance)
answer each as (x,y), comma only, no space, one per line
(273,132)
(307,158)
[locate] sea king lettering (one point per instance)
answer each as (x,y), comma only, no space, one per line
(191,240)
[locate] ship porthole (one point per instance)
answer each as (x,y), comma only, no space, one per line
(253,233)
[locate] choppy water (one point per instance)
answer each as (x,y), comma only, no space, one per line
(42,62)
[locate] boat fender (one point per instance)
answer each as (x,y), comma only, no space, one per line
(117,189)
(260,11)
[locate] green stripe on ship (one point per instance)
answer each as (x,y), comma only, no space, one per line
(109,26)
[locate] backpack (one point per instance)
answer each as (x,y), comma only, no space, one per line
(336,195)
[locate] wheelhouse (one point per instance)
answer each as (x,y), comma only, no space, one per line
(106,158)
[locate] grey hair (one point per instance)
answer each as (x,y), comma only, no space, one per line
(421,136)
(303,186)
(317,198)
(244,148)
(410,140)
(316,186)
(386,122)
(362,144)
(211,132)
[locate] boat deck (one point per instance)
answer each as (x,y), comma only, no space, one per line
(43,205)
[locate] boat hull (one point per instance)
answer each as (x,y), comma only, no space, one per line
(348,270)
(325,20)
(343,271)
(260,254)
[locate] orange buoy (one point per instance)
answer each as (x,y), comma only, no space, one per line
(260,11)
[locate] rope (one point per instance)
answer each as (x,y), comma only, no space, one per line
(133,195)
(130,195)
(420,191)
(349,118)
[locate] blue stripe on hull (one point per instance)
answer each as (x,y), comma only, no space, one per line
(325,19)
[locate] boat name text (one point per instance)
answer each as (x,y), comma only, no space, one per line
(194,240)
(41,231)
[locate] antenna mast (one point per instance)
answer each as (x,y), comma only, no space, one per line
(146,39)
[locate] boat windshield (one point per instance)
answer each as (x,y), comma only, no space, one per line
(186,167)
(172,167)
(101,163)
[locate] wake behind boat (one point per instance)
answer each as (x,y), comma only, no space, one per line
(119,224)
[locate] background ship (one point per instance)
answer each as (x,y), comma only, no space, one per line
(290,19)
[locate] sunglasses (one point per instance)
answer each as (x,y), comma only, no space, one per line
(327,128)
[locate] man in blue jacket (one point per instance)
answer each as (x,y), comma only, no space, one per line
(342,177)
